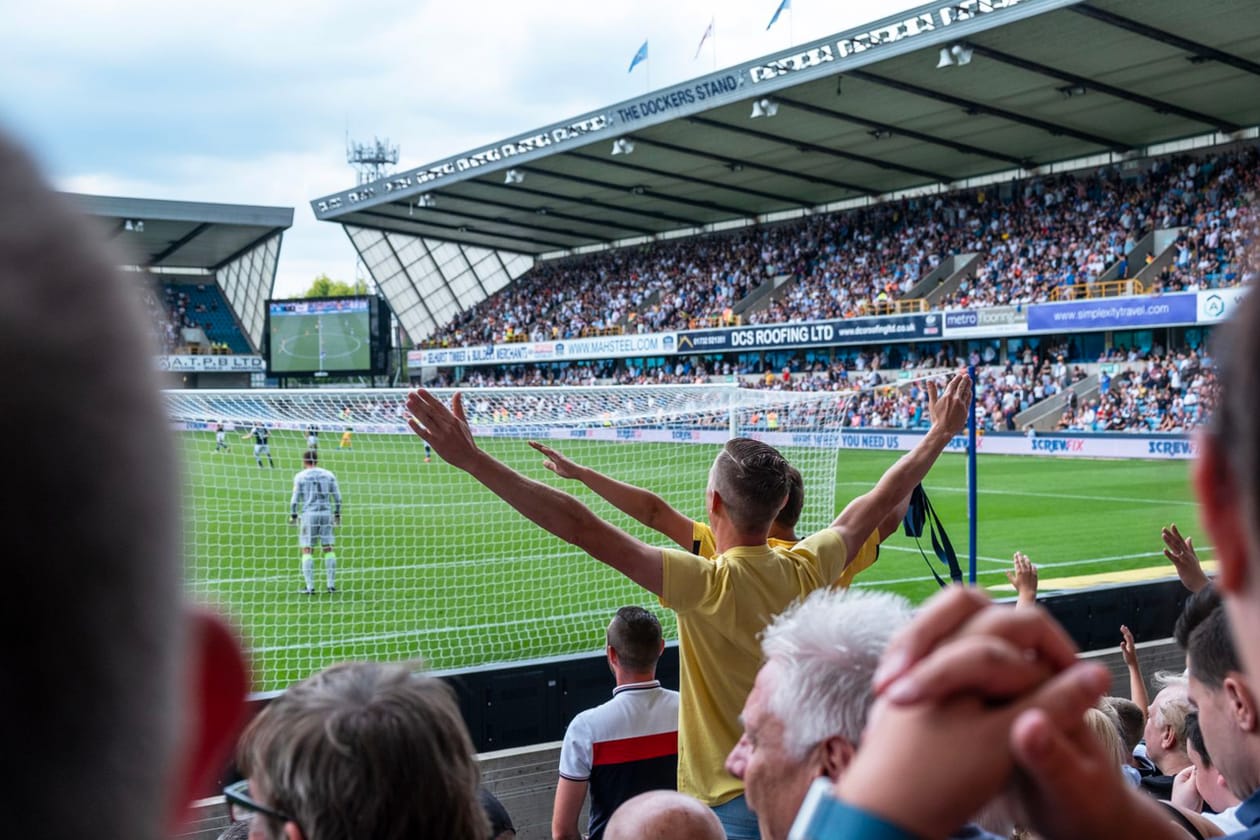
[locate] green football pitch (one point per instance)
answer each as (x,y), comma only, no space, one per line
(433,567)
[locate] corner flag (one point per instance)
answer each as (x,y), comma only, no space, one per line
(641,55)
(783,4)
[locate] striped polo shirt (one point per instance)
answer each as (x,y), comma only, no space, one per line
(623,747)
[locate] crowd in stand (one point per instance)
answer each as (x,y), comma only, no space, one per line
(1137,392)
(1034,237)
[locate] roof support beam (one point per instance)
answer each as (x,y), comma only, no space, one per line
(1201,50)
(972,107)
(615,208)
(240,252)
(690,179)
(426,213)
(814,147)
(569,217)
(964,148)
(644,191)
(463,234)
(171,249)
(1156,105)
(732,163)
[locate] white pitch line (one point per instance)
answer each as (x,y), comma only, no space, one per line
(431,631)
(1003,492)
(1040,566)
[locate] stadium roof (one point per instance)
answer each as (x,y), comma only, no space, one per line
(864,113)
(185,234)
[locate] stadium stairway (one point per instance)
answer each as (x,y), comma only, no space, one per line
(1043,416)
(760,297)
(945,278)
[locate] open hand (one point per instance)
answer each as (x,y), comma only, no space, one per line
(1023,576)
(1180,552)
(949,408)
(446,430)
(557,463)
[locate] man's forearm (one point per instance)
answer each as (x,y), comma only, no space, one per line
(550,509)
(864,514)
(636,502)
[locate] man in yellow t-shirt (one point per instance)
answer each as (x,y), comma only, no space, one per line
(722,603)
(653,511)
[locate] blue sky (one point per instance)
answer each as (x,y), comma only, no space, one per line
(249,102)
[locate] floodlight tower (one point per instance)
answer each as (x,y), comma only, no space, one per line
(371,162)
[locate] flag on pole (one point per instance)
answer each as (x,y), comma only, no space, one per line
(784,5)
(708,33)
(641,55)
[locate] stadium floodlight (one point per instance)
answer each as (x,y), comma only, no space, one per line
(1073,90)
(880,133)
(426,200)
(764,108)
(513,176)
(135,225)
(622,146)
(638,190)
(962,55)
(957,55)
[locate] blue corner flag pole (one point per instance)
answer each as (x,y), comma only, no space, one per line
(971,480)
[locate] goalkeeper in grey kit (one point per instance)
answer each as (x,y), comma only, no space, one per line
(318,499)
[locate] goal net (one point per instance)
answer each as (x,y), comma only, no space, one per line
(429,564)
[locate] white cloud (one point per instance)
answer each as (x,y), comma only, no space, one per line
(249,103)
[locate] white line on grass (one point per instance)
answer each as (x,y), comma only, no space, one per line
(1004,492)
(402,634)
(1040,566)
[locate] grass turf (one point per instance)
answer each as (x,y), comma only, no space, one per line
(431,566)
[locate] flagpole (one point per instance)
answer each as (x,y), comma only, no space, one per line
(713,38)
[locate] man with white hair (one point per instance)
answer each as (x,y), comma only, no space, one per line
(805,714)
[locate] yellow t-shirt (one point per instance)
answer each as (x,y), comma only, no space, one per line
(723,604)
(704,544)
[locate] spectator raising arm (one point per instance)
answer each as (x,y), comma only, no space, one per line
(1180,552)
(948,410)
(1137,685)
(642,505)
(446,430)
(1023,576)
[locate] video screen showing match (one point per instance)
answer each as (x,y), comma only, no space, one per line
(320,336)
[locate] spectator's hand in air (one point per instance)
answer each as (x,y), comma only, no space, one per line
(1180,552)
(948,409)
(1128,648)
(557,463)
(1023,576)
(446,430)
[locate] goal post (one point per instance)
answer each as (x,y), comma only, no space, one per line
(429,564)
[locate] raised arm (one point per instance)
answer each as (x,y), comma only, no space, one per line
(866,513)
(1137,685)
(636,502)
(1180,552)
(446,430)
(1023,576)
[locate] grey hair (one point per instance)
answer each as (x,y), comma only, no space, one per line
(827,647)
